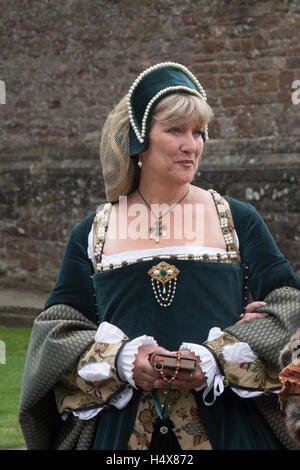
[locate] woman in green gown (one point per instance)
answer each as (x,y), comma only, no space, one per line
(167,267)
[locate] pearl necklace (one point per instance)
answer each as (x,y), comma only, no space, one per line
(158,228)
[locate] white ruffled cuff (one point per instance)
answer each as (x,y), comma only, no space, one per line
(127,357)
(98,371)
(209,369)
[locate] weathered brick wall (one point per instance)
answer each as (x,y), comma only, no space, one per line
(66,63)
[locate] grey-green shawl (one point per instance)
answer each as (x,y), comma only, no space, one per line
(267,337)
(59,335)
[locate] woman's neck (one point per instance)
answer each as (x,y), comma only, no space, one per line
(155,193)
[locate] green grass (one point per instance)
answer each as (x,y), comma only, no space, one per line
(16,343)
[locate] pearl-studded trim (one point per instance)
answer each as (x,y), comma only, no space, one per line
(140,134)
(102,218)
(224,222)
(218,257)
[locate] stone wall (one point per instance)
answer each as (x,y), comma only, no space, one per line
(65,64)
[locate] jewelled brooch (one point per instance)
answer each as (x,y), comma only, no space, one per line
(164,280)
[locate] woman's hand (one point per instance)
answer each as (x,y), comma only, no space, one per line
(250,313)
(184,379)
(144,374)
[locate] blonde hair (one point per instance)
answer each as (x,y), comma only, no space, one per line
(120,171)
(181,107)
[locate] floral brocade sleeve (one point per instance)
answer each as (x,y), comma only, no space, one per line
(241,369)
(93,382)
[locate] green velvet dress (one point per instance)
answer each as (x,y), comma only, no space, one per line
(208,294)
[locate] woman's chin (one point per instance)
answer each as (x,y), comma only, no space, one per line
(186,176)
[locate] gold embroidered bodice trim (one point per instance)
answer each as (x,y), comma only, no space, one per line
(226,221)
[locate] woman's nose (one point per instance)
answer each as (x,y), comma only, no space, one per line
(189,143)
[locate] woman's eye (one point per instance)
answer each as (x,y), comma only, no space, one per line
(174,130)
(198,133)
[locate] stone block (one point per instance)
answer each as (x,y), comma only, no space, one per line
(264,82)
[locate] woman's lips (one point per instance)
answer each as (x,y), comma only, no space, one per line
(186,162)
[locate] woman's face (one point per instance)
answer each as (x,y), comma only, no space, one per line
(174,151)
